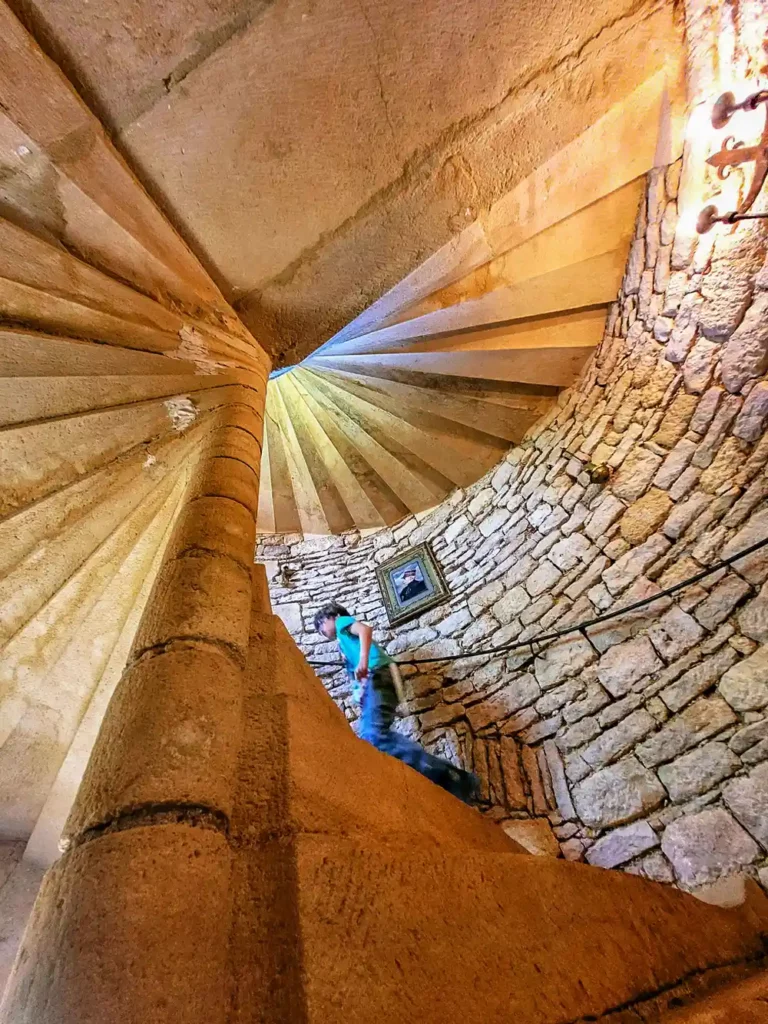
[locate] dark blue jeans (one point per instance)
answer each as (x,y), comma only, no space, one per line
(377,715)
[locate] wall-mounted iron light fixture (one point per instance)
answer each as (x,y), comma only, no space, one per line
(731,154)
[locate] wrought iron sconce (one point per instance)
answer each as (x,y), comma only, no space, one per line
(733,154)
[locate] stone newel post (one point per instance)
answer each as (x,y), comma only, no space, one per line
(133,922)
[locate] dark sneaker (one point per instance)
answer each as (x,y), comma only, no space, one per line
(463,785)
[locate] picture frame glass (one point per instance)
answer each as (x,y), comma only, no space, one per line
(411,583)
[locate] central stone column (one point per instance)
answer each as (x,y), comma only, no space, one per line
(132,923)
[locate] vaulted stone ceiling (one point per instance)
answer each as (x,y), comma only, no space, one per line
(428,206)
(314,154)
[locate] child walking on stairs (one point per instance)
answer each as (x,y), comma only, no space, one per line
(375,689)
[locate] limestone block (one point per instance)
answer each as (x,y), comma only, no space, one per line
(455,622)
(635,475)
(745,685)
(635,266)
(557,777)
(542,578)
(684,331)
(753,567)
(699,365)
(675,463)
(699,771)
(702,847)
(199,597)
(127,926)
(480,502)
(630,565)
(675,421)
(753,618)
(722,600)
(645,515)
(456,529)
(584,730)
(442,648)
(479,630)
(745,354)
(215,524)
(674,633)
(624,664)
(171,736)
(563,659)
(698,679)
(617,794)
(568,552)
(747,798)
(619,740)
(594,699)
(697,722)
(485,597)
(511,605)
(535,835)
(604,516)
(494,522)
(747,737)
(750,423)
(622,844)
(291,617)
(509,761)
(554,700)
(431,894)
(654,866)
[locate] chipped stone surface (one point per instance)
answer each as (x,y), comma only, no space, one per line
(623,665)
(698,679)
(636,473)
(747,798)
(721,602)
(674,633)
(753,618)
(644,516)
(705,846)
(746,353)
(617,794)
(563,659)
(697,772)
(745,685)
(697,722)
(622,844)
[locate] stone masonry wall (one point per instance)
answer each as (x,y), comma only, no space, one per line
(644,744)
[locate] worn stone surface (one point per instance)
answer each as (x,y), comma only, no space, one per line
(699,771)
(753,618)
(534,835)
(704,846)
(622,844)
(617,794)
(745,685)
(746,353)
(747,798)
(698,679)
(697,722)
(621,666)
(645,515)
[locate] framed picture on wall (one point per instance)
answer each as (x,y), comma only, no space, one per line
(411,583)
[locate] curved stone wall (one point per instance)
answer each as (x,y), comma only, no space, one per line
(644,744)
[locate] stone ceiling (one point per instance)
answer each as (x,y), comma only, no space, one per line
(314,155)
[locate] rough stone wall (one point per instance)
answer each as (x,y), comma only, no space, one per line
(645,743)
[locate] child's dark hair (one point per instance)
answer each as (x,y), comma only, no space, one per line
(329,611)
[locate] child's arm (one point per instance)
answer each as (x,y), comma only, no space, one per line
(364,633)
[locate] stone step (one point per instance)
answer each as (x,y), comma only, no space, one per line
(742,1002)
